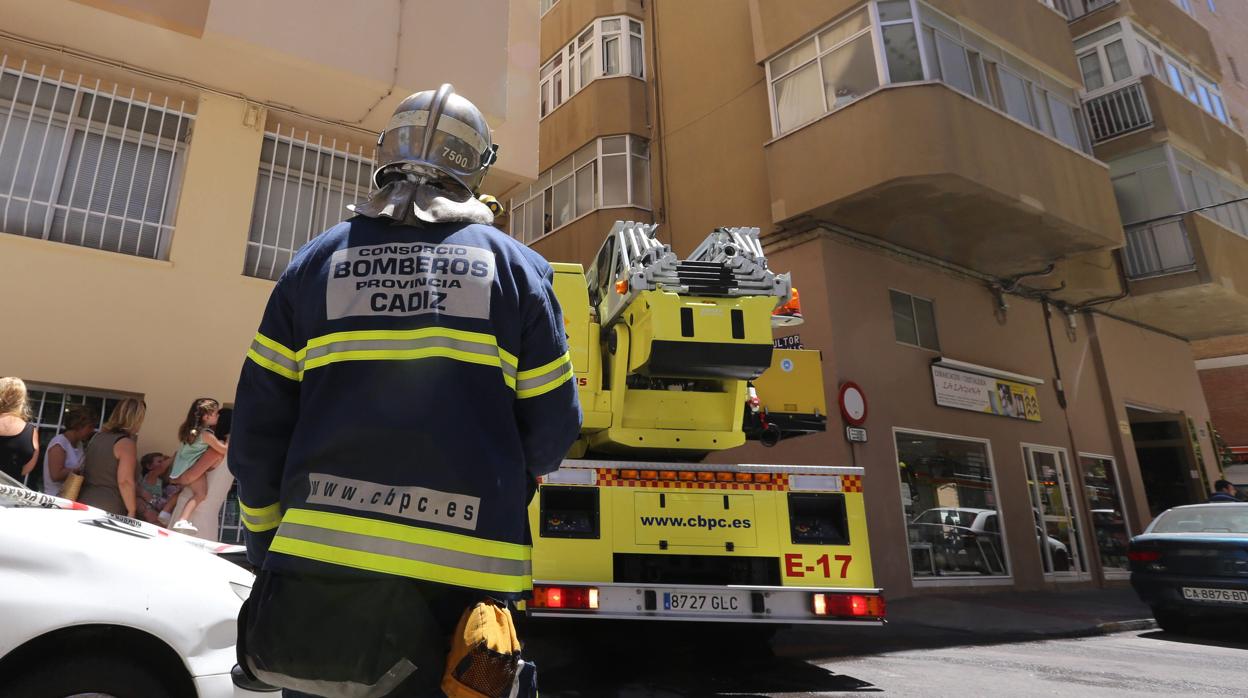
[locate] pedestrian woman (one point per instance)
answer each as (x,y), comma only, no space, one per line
(19,441)
(112,460)
(64,455)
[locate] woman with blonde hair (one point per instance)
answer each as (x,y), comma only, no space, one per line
(112,460)
(19,440)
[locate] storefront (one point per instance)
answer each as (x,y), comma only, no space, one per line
(998,452)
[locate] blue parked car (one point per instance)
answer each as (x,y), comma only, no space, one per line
(1191,564)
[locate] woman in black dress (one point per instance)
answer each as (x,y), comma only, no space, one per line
(19,440)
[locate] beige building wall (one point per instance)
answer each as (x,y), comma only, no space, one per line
(177,328)
(169,330)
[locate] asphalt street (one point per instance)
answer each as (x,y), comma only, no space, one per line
(663,660)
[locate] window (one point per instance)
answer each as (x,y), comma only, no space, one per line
(545,5)
(950,504)
(834,67)
(1054,510)
(837,65)
(49,404)
(1108,516)
(89,167)
(981,69)
(914,320)
(1166,65)
(1185,4)
(302,189)
(609,172)
(610,46)
(1213,5)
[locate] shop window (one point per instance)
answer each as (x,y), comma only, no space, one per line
(953,526)
(914,320)
(1109,517)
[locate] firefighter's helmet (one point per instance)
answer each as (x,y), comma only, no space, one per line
(436,134)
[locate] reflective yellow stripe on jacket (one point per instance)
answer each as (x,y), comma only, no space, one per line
(407,551)
(385,345)
(259,520)
(543,379)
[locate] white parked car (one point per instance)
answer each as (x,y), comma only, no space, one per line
(93,603)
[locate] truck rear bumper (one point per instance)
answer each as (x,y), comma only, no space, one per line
(686,602)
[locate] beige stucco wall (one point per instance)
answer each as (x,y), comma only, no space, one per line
(326,59)
(169,330)
(711,131)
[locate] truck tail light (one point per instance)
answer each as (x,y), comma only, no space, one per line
(568,512)
(847,605)
(575,598)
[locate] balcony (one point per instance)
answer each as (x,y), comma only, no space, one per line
(605,106)
(1031,29)
(1162,18)
(1188,276)
(1146,112)
(930,169)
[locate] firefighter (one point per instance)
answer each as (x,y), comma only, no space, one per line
(409,382)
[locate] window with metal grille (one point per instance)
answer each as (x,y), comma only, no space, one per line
(303,188)
(49,405)
(88,166)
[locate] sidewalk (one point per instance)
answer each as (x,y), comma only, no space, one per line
(941,620)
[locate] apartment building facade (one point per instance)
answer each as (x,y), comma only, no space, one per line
(948,182)
(161,162)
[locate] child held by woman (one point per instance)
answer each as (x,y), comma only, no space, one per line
(197,441)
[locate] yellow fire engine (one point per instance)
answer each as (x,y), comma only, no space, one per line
(674,360)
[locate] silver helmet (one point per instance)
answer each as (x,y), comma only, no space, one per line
(436,134)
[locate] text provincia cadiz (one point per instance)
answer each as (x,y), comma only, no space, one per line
(410,279)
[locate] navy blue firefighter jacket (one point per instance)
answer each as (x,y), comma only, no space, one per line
(405,388)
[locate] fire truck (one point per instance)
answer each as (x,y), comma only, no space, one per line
(674,361)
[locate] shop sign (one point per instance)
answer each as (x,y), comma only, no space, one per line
(793,341)
(976,393)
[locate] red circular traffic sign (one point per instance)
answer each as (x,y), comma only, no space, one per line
(853,403)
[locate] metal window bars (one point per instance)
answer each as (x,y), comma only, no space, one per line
(303,187)
(1116,113)
(88,166)
(1157,249)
